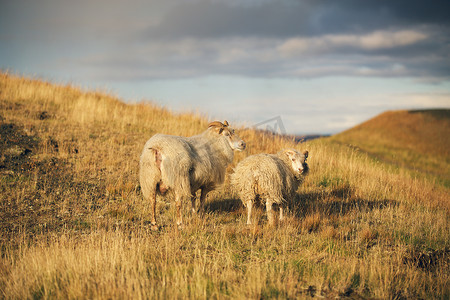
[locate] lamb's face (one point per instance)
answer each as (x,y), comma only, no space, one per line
(233,139)
(298,161)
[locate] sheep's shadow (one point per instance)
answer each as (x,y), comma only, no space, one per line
(337,202)
(226,205)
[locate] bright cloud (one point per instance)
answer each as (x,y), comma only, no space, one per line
(377,40)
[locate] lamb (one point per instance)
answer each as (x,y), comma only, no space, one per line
(183,165)
(271,178)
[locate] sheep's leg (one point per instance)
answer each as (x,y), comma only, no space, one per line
(269,210)
(153,211)
(148,179)
(178,207)
(193,199)
(203,194)
(201,205)
(249,212)
(150,196)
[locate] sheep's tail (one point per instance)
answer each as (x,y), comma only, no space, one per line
(149,171)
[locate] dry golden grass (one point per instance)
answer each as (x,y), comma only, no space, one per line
(73,223)
(415,140)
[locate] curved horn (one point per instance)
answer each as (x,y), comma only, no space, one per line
(215,124)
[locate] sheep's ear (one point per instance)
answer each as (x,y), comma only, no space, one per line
(216,127)
(226,123)
(305,154)
(290,153)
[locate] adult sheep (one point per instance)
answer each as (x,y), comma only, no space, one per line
(269,178)
(183,165)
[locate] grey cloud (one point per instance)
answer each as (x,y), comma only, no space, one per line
(214,19)
(405,11)
(300,38)
(288,38)
(206,19)
(406,53)
(364,16)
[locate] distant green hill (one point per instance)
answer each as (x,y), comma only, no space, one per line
(416,140)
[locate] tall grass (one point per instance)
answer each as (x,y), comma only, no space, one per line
(418,141)
(74,225)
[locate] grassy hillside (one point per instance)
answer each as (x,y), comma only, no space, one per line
(415,140)
(73,223)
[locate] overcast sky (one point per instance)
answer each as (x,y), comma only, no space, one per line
(322,66)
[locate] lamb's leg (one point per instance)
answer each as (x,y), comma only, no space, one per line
(249,212)
(281,214)
(269,210)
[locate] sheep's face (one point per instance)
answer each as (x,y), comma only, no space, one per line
(228,133)
(233,139)
(298,161)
